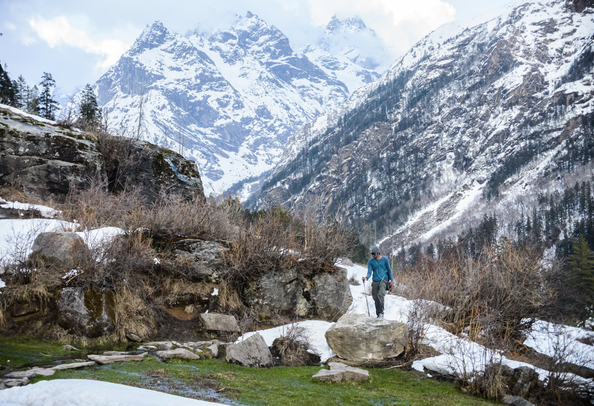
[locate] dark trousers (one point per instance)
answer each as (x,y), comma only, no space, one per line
(378,292)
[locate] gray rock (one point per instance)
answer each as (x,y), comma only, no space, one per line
(159,345)
(45,159)
(110,359)
(331,295)
(360,338)
(11,383)
(31,373)
(279,292)
(68,347)
(133,337)
(326,296)
(74,365)
(516,401)
(178,353)
(86,311)
(523,380)
(251,352)
(59,249)
(340,372)
(219,322)
(206,256)
(214,349)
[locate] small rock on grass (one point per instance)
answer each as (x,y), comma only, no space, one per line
(159,345)
(11,383)
(69,348)
(516,401)
(110,359)
(74,365)
(179,353)
(30,373)
(340,372)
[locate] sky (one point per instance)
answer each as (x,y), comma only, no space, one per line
(77,41)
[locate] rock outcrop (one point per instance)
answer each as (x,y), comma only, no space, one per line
(86,311)
(325,296)
(46,160)
(206,257)
(359,338)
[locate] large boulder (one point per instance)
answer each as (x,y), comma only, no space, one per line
(359,338)
(251,352)
(60,249)
(325,296)
(86,311)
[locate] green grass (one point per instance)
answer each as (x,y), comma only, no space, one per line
(24,351)
(216,380)
(16,353)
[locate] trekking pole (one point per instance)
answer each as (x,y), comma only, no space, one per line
(366,302)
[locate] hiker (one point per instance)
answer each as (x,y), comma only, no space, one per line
(382,275)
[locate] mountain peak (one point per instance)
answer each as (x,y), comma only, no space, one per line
(152,36)
(351,24)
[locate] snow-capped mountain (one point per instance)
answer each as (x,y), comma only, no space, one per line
(475,118)
(229,99)
(350,51)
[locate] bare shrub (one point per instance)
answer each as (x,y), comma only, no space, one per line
(276,240)
(293,347)
(493,297)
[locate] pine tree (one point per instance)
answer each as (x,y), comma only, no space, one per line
(7,93)
(32,100)
(47,105)
(89,109)
(581,264)
(21,90)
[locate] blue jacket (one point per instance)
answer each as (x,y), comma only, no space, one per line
(379,269)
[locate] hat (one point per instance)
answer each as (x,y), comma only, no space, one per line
(375,249)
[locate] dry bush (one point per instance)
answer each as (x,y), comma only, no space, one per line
(491,298)
(131,313)
(170,216)
(292,348)
(277,241)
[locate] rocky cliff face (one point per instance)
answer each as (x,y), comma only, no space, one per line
(473,119)
(228,100)
(45,160)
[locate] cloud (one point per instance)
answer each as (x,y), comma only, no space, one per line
(58,31)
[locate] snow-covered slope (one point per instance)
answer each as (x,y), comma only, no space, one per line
(228,100)
(474,114)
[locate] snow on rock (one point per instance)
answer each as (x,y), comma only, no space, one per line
(44,210)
